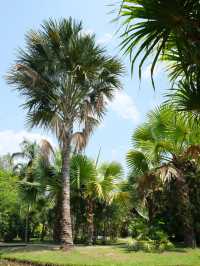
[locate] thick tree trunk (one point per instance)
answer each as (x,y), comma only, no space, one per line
(66,227)
(58,217)
(189,237)
(90,221)
(150,207)
(188,227)
(186,213)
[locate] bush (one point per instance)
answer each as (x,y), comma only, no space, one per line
(149,238)
(150,245)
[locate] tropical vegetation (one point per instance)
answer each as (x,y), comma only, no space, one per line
(57,194)
(66,80)
(166,31)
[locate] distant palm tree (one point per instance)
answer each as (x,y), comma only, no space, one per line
(66,80)
(92,184)
(26,166)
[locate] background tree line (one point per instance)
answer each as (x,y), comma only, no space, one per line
(66,80)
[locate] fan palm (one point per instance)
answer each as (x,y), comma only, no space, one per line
(30,183)
(169,31)
(66,80)
(164,147)
(157,26)
(93,184)
(185,97)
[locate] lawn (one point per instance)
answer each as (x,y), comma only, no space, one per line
(104,255)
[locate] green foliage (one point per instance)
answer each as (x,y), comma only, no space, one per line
(166,31)
(10,222)
(151,245)
(147,237)
(165,158)
(66,79)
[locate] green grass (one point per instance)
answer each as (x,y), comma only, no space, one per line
(105,255)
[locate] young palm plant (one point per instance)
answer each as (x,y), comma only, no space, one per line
(66,80)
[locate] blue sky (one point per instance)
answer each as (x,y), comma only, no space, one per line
(124,114)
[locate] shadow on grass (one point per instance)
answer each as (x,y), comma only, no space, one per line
(28,248)
(127,249)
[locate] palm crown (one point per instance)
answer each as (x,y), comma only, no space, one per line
(169,31)
(65,78)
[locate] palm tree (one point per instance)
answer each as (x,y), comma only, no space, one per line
(185,97)
(28,187)
(66,80)
(92,184)
(31,184)
(166,31)
(156,27)
(165,150)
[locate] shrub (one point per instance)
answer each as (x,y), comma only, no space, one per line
(149,238)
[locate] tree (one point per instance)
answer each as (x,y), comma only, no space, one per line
(169,31)
(10,205)
(156,27)
(27,164)
(93,184)
(166,151)
(28,188)
(66,80)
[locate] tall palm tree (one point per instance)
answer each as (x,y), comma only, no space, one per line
(92,184)
(165,149)
(66,80)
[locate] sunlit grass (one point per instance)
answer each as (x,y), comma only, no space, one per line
(105,255)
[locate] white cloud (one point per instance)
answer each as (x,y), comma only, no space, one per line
(125,107)
(105,39)
(10,140)
(87,32)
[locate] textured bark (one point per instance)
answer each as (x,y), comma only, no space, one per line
(150,206)
(90,221)
(188,227)
(66,227)
(58,217)
(185,168)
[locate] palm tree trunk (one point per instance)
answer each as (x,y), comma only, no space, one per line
(90,220)
(43,233)
(188,227)
(150,207)
(189,237)
(57,227)
(66,226)
(27,225)
(104,232)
